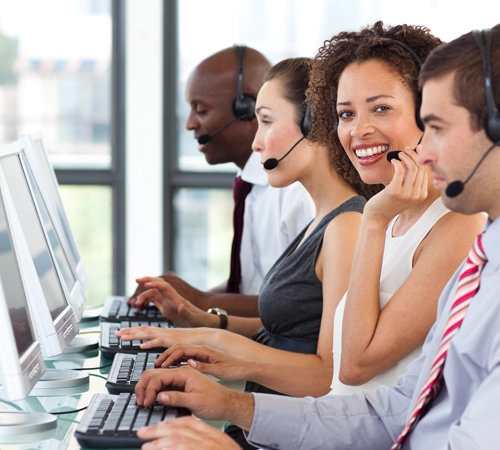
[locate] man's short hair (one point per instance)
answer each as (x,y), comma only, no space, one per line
(463,56)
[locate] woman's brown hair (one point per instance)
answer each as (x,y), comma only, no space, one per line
(375,42)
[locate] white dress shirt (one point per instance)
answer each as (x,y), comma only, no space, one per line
(273,218)
(464,415)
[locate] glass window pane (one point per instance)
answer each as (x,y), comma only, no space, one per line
(203,233)
(55,72)
(89,212)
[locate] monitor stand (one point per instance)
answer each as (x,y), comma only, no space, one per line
(80,345)
(17,427)
(91,314)
(61,382)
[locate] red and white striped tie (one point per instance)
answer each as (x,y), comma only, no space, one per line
(468,285)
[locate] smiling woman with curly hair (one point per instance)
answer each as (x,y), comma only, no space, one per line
(365,104)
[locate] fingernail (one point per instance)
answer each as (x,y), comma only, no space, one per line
(164,397)
(192,363)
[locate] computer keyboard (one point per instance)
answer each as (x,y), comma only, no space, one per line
(110,344)
(115,309)
(111,421)
(127,369)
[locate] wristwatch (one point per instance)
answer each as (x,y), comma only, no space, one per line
(222,315)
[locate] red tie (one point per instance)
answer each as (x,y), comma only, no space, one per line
(240,191)
(468,285)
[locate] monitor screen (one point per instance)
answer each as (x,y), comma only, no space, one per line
(34,234)
(53,188)
(13,289)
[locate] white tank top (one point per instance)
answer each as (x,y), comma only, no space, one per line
(396,267)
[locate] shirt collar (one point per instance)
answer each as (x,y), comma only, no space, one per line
(253,172)
(491,242)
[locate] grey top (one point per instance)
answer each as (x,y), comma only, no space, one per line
(465,414)
(291,297)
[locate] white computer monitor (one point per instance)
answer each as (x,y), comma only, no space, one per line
(60,249)
(43,171)
(21,360)
(55,321)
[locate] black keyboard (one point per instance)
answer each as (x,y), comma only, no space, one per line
(127,369)
(110,344)
(111,421)
(115,309)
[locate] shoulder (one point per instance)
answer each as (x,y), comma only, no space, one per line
(451,236)
(453,224)
(343,225)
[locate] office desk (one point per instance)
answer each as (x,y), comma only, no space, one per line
(63,437)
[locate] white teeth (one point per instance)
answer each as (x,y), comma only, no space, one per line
(371,151)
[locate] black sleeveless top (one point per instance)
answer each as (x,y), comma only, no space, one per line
(291,297)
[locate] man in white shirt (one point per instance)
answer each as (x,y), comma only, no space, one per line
(461,131)
(221,92)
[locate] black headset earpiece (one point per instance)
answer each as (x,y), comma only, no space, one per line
(306,122)
(492,127)
(244,104)
(418,100)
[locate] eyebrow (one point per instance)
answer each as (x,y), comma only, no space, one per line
(432,117)
(260,108)
(368,100)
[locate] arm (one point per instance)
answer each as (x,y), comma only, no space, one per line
(374,340)
(234,304)
(182,312)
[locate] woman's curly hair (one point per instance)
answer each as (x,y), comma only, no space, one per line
(376,42)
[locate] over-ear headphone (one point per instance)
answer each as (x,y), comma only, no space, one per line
(418,100)
(492,126)
(244,104)
(306,122)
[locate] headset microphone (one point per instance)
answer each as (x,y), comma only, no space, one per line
(204,138)
(456,187)
(272,163)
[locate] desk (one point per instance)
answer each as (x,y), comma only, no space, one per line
(63,437)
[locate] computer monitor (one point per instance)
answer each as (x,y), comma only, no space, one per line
(55,232)
(44,172)
(21,360)
(54,318)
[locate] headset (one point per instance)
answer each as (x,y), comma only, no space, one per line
(244,104)
(306,122)
(492,126)
(418,62)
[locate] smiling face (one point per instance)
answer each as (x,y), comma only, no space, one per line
(452,149)
(277,133)
(376,115)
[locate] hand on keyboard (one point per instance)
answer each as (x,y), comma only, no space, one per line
(173,305)
(186,433)
(206,360)
(205,398)
(166,337)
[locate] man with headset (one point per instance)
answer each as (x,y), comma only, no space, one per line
(448,398)
(221,92)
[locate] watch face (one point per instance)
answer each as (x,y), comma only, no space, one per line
(217,311)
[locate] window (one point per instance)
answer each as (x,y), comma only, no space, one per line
(57,77)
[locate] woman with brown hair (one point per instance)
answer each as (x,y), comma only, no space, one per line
(364,87)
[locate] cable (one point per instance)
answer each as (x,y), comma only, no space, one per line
(98,376)
(94,368)
(68,412)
